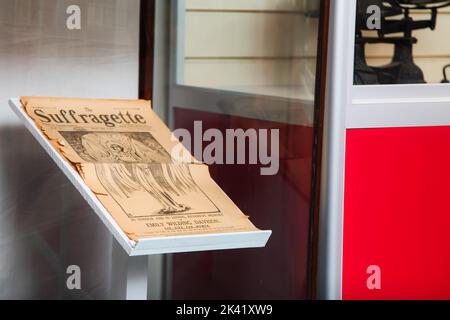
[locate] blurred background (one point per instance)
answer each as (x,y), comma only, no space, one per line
(45,225)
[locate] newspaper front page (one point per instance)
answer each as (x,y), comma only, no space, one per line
(122,151)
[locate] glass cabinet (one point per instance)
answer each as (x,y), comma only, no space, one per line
(251,65)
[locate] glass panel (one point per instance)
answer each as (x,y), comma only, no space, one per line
(263,47)
(402,41)
(260,58)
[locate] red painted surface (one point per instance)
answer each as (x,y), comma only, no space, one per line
(279,202)
(397,213)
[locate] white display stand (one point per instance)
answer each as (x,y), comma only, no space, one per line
(130,274)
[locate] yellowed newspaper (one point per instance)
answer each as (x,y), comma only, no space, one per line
(123,152)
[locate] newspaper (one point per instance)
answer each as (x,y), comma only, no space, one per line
(122,151)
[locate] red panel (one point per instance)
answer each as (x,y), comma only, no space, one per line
(279,202)
(397,213)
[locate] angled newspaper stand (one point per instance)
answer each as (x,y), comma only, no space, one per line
(130,274)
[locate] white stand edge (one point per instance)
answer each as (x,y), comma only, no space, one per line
(150,246)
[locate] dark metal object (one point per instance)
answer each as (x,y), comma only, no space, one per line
(402,68)
(444,71)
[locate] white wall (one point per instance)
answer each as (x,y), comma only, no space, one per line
(44,224)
